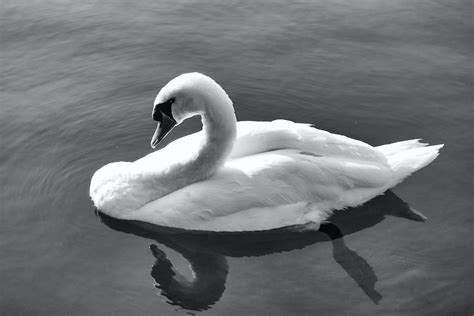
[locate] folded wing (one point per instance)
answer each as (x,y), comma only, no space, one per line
(269,190)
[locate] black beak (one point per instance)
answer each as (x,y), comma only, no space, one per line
(164,116)
(165,125)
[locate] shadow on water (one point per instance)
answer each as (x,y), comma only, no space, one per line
(207,251)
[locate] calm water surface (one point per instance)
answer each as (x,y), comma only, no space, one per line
(78,82)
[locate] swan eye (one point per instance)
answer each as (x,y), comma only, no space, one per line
(165,108)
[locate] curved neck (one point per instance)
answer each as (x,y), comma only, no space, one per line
(219,131)
(218,136)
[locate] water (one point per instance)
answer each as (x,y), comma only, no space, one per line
(78,82)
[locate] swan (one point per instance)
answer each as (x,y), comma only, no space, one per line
(246,176)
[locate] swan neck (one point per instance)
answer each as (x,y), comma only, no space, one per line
(219,132)
(219,128)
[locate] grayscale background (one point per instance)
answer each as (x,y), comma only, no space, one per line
(78,80)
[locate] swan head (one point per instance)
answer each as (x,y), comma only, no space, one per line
(185,96)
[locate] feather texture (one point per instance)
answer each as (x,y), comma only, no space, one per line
(275,174)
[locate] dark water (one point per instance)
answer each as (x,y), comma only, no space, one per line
(78,82)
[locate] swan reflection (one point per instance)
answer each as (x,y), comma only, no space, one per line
(207,251)
(206,288)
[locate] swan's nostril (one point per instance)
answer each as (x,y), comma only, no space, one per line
(164,126)
(157,116)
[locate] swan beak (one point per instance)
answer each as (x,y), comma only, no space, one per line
(165,125)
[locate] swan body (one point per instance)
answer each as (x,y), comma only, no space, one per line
(246,176)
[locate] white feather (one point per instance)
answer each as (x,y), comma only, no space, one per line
(249,175)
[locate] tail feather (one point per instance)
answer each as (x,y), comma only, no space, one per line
(408,156)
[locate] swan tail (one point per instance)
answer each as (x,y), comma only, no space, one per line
(408,156)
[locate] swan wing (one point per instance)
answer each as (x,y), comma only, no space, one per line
(268,190)
(258,137)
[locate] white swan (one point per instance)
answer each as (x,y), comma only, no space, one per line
(246,176)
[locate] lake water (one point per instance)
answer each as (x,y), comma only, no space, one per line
(78,84)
